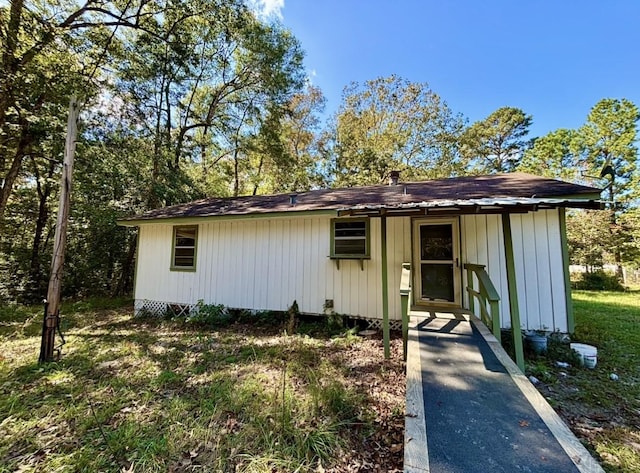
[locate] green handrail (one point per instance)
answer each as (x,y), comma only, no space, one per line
(405,296)
(486,293)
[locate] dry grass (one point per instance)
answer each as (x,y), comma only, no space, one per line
(153,395)
(603,412)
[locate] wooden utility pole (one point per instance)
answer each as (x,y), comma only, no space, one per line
(52,304)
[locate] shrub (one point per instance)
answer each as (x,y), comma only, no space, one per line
(598,281)
(336,323)
(213,315)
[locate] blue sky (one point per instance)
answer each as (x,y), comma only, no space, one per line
(553,59)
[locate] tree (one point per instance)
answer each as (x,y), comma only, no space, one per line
(608,138)
(497,143)
(203,92)
(391,124)
(588,238)
(174,78)
(629,224)
(33,40)
(555,155)
(285,156)
(608,141)
(603,153)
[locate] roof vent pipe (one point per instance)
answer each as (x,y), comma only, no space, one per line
(293,199)
(394,177)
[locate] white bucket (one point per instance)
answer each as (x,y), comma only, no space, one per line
(588,354)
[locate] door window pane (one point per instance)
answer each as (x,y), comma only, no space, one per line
(436,242)
(437,282)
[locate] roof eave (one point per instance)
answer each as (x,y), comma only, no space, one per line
(187,219)
(494,206)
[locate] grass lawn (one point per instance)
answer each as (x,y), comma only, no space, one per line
(157,395)
(603,412)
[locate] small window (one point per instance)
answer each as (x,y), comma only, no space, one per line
(350,238)
(184,248)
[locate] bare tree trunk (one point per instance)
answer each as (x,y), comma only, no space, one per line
(256,184)
(14,169)
(126,277)
(613,229)
(236,173)
(55,281)
(9,63)
(35,272)
(10,178)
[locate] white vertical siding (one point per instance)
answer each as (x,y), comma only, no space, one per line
(356,291)
(543,281)
(398,252)
(267,263)
(556,284)
(483,243)
(538,262)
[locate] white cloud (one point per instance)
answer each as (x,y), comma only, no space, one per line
(268,8)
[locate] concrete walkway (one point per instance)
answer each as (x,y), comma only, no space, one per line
(469,408)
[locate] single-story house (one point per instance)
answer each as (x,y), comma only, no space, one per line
(343,249)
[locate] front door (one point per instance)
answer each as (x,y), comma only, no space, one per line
(436,259)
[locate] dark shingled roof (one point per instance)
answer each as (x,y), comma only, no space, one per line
(512,185)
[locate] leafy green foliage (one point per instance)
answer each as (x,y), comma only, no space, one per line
(184,100)
(597,280)
(609,138)
(391,124)
(628,228)
(284,154)
(588,237)
(496,144)
(603,152)
(555,155)
(212,315)
(172,103)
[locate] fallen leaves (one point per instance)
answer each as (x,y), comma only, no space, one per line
(383,383)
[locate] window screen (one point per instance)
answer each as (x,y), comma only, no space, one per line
(184,247)
(350,238)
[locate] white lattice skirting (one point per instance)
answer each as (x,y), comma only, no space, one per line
(149,308)
(377,324)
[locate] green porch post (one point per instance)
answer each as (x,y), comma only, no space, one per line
(513,290)
(571,324)
(405,294)
(385,288)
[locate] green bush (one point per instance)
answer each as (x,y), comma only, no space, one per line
(597,281)
(213,315)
